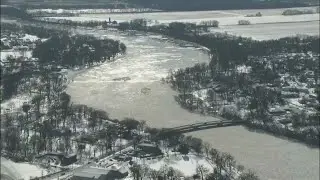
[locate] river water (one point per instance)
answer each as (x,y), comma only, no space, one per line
(148,59)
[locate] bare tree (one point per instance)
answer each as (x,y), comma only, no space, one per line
(250,175)
(202,171)
(206,147)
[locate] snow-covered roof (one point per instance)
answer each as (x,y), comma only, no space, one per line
(276,110)
(90,172)
(147,145)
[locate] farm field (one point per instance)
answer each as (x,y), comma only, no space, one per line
(226,17)
(271,25)
(271,31)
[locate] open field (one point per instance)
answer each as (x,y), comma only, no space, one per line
(21,170)
(177,5)
(64,3)
(271,31)
(271,25)
(229,17)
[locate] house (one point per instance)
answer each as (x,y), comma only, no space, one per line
(277,111)
(68,159)
(117,172)
(285,94)
(99,174)
(149,148)
(64,159)
(90,174)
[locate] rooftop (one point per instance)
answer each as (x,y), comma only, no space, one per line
(91,172)
(147,145)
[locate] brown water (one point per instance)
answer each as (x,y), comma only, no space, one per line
(148,59)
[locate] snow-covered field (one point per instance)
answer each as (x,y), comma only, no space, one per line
(186,164)
(14,104)
(272,25)
(83,11)
(236,12)
(268,12)
(271,31)
(227,17)
(21,170)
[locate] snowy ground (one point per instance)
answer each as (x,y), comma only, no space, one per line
(21,170)
(14,104)
(15,53)
(272,25)
(32,38)
(89,11)
(271,31)
(228,17)
(186,164)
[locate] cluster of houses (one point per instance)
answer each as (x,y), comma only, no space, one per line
(115,166)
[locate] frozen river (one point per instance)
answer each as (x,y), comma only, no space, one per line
(149,58)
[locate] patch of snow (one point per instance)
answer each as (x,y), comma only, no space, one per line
(193,17)
(28,170)
(121,142)
(244,69)
(32,38)
(14,104)
(21,170)
(295,102)
(89,11)
(15,53)
(186,165)
(201,94)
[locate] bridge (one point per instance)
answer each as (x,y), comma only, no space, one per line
(204,125)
